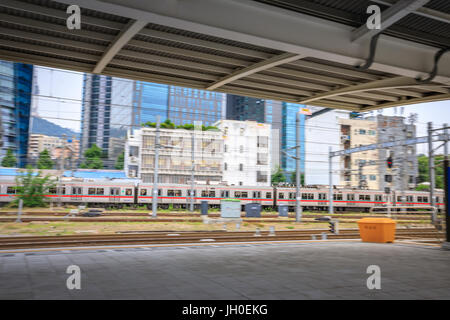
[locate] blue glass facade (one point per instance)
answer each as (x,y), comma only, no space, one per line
(187,105)
(288,137)
(149,101)
(16,81)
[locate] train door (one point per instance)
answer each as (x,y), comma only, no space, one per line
(76,194)
(114,194)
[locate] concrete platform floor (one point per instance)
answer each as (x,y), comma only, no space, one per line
(314,270)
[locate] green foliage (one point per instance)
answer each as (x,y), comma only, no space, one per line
(31,188)
(422,188)
(120,161)
(278,176)
(9,160)
(168,124)
(93,159)
(44,161)
(294,178)
(439,170)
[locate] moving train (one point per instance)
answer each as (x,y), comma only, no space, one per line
(119,193)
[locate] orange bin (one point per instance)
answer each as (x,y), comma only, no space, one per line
(377,229)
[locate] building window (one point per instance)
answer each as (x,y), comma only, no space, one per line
(388,178)
(225,166)
(373,177)
(241,167)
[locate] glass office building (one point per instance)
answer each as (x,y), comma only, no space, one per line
(16,81)
(149,101)
(187,105)
(288,137)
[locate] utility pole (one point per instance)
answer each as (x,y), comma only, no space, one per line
(330,173)
(155,172)
(298,207)
(431,168)
(191,204)
(61,167)
(360,172)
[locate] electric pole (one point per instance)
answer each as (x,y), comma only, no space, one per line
(61,167)
(191,205)
(155,172)
(431,168)
(298,207)
(330,173)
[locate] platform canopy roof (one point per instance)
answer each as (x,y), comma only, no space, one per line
(290,50)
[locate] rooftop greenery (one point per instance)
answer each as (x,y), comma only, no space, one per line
(168,124)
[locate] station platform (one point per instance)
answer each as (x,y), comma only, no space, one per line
(232,271)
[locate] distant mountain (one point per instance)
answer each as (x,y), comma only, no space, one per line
(42,126)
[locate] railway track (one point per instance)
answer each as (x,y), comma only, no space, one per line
(164,237)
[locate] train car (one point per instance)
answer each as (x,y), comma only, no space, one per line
(317,199)
(179,196)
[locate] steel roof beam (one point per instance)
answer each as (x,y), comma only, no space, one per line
(424,12)
(388,17)
(438,97)
(257,67)
(389,83)
(130,30)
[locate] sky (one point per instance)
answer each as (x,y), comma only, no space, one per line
(60,94)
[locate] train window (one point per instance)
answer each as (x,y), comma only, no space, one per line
(322,196)
(425,199)
(437,199)
(378,197)
(291,195)
(367,197)
(399,199)
(91,191)
(257,194)
(189,193)
(337,196)
(204,193)
(419,199)
(128,192)
(11,190)
(409,198)
(212,194)
(361,197)
(244,194)
(52,190)
(350,197)
(114,191)
(237,194)
(225,193)
(62,190)
(268,195)
(280,195)
(143,192)
(100,191)
(174,193)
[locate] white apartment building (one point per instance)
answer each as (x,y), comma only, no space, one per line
(175,155)
(322,132)
(246,156)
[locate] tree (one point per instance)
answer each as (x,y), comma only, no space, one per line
(92,158)
(9,160)
(294,178)
(44,160)
(278,176)
(120,161)
(439,170)
(31,188)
